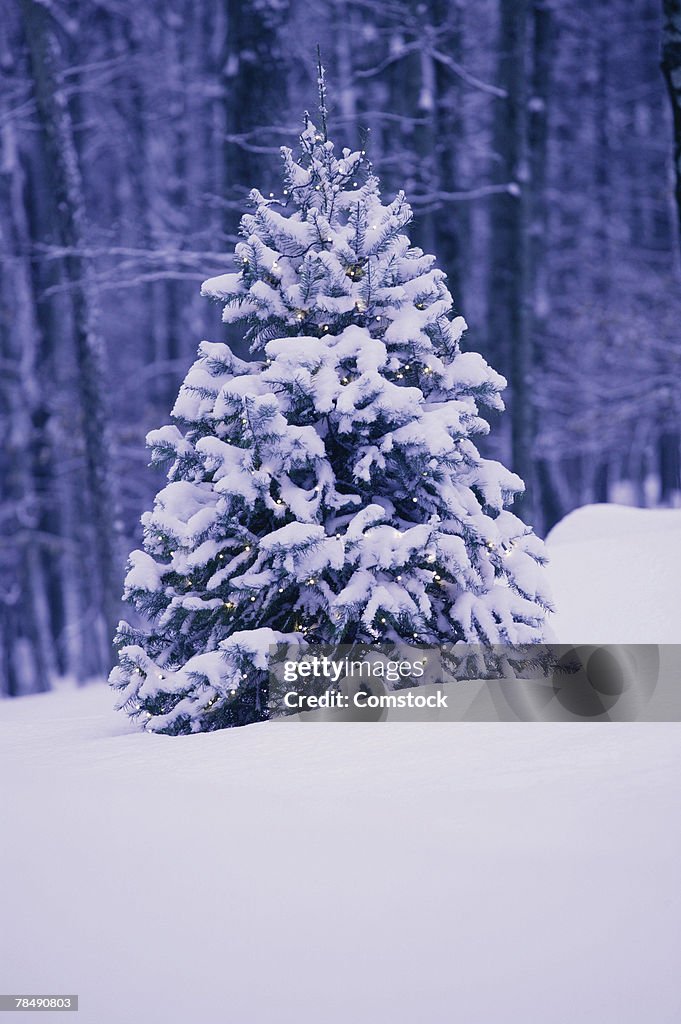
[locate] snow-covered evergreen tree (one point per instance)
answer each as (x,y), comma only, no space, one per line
(330,490)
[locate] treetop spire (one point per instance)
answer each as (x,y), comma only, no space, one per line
(321,84)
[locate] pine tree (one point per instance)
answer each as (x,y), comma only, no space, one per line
(329,490)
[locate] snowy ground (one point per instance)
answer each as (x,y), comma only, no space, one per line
(616,575)
(467,874)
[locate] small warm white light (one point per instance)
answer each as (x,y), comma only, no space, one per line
(252,599)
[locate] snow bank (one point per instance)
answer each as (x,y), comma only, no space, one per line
(340,873)
(615,573)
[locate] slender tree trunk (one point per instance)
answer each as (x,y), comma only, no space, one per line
(25,586)
(347,92)
(670,442)
(538,140)
(453,222)
(425,135)
(55,122)
(509,321)
(669,465)
(255,89)
(397,143)
(56,433)
(30,664)
(671,67)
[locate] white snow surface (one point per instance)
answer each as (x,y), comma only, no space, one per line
(286,872)
(482,874)
(615,573)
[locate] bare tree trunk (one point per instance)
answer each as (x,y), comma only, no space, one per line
(671,67)
(55,123)
(255,89)
(538,139)
(26,615)
(670,442)
(425,135)
(347,92)
(30,664)
(453,223)
(669,465)
(509,324)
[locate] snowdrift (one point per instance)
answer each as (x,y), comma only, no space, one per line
(616,575)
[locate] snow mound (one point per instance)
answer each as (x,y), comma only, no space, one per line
(615,574)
